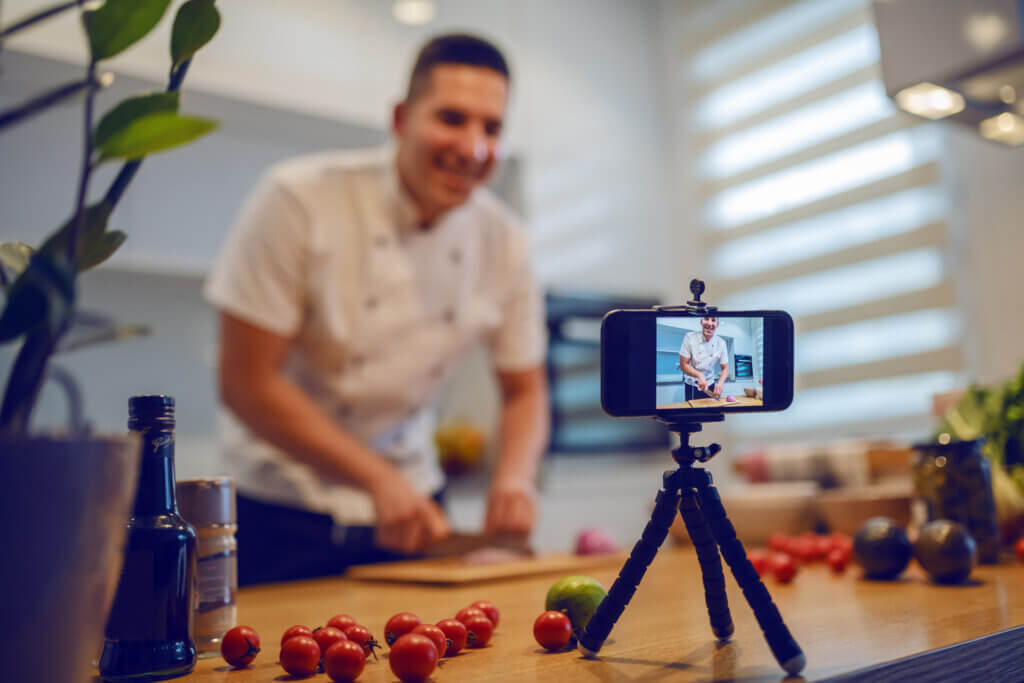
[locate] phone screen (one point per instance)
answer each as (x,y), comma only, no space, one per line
(711,362)
(662,362)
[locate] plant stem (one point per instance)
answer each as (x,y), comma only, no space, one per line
(26,381)
(130,168)
(40,102)
(39,16)
(83,178)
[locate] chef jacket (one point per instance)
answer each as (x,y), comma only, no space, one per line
(705,356)
(328,251)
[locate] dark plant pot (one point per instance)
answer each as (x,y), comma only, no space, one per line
(62,527)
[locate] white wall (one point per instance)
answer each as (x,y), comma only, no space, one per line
(989,251)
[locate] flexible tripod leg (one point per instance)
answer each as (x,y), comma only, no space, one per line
(710,566)
(622,590)
(780,641)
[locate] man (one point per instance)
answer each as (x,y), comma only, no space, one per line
(704,360)
(349,290)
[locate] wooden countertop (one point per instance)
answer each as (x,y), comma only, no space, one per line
(843,623)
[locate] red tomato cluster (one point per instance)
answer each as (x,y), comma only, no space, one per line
(786,554)
(341,647)
(417,647)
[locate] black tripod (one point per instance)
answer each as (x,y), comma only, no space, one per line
(690,490)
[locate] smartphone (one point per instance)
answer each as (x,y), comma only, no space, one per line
(664,362)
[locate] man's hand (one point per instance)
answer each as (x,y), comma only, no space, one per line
(511,507)
(702,383)
(407,521)
(718,389)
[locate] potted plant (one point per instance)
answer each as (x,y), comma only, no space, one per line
(67,497)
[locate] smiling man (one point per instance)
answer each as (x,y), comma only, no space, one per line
(704,360)
(350,288)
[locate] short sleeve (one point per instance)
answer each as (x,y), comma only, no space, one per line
(520,341)
(258,274)
(685,351)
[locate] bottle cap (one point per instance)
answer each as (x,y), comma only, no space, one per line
(207,501)
(156,405)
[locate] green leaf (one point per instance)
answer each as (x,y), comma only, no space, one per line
(92,233)
(120,23)
(43,294)
(131,110)
(14,258)
(99,250)
(154,133)
(195,25)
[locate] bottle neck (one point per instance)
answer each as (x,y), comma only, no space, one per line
(156,472)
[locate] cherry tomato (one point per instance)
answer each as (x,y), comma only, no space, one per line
(803,549)
(295,631)
(436,635)
(552,630)
(822,547)
(413,658)
(838,558)
(344,661)
(399,625)
(778,541)
(360,635)
(240,646)
(841,540)
(300,656)
(784,567)
(456,633)
(1018,548)
(468,612)
(489,609)
(759,559)
(480,629)
(341,622)
(325,636)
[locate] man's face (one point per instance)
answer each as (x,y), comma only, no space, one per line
(448,135)
(709,325)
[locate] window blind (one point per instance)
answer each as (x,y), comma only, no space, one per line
(818,197)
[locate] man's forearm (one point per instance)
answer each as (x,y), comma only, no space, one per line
(724,375)
(688,369)
(523,433)
(280,412)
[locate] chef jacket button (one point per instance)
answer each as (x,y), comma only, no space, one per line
(448,316)
(357,361)
(371,303)
(455,255)
(381,241)
(344,411)
(436,371)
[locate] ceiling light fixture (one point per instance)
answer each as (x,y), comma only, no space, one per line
(1006,128)
(414,12)
(930,101)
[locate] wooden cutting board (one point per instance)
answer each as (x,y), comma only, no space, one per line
(455,571)
(716,403)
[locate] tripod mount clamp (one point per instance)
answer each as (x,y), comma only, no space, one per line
(694,305)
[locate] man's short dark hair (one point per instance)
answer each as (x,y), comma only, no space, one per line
(454,48)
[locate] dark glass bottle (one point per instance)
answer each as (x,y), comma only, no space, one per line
(149,631)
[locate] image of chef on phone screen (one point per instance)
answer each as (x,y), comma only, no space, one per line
(704,360)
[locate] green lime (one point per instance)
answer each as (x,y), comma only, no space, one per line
(576,596)
(946,551)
